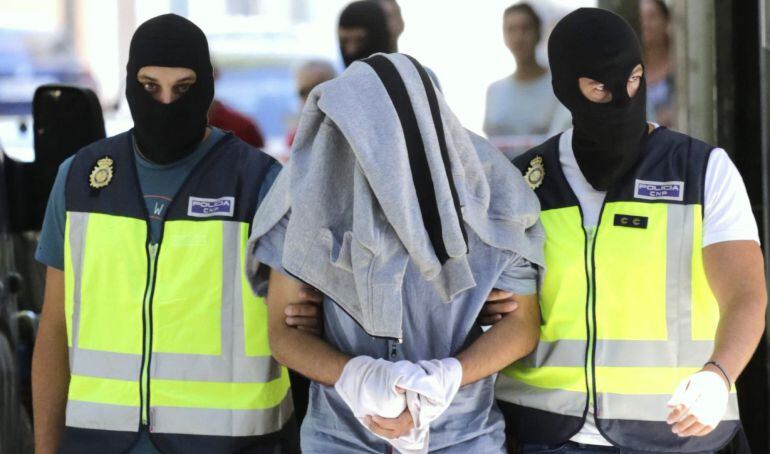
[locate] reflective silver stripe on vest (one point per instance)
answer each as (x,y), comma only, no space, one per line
(679,350)
(232,365)
(78,223)
(565,352)
(96,363)
(569,403)
(620,353)
(90,415)
(227,423)
(647,407)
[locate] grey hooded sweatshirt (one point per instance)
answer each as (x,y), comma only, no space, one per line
(381,173)
(352,214)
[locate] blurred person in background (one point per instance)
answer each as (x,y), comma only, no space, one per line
(362,31)
(656,39)
(229,119)
(523,103)
(308,75)
(395,23)
(365,28)
(394,19)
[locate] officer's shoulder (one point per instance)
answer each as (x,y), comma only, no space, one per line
(236,145)
(543,151)
(105,145)
(252,161)
(675,141)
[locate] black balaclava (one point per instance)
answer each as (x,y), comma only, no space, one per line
(167,132)
(371,17)
(608,138)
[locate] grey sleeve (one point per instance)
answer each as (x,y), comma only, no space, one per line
(518,277)
(50,246)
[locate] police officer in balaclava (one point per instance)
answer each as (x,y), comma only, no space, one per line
(610,124)
(149,339)
(362,31)
(654,298)
(167,129)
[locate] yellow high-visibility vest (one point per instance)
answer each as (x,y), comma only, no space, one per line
(627,312)
(170,334)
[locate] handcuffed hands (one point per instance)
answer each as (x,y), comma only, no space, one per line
(698,404)
(398,401)
(391,428)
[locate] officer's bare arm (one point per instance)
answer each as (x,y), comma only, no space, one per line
(50,367)
(300,350)
(514,336)
(736,273)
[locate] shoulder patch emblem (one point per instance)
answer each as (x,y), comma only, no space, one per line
(101,176)
(535,173)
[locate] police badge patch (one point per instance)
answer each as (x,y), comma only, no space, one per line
(535,173)
(102,173)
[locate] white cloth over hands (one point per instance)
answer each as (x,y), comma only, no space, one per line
(369,387)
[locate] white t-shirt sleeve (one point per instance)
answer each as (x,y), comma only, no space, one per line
(727,212)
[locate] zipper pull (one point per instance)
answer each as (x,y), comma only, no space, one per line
(393,350)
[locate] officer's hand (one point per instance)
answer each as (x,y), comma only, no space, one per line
(698,404)
(391,428)
(307,313)
(498,304)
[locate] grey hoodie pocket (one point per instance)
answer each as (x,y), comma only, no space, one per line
(339,253)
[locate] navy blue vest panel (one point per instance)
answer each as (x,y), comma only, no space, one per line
(232,169)
(90,441)
(669,157)
(534,426)
(225,184)
(122,196)
(554,192)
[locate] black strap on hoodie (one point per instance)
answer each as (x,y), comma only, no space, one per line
(418,161)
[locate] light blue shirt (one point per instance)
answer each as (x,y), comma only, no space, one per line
(432,330)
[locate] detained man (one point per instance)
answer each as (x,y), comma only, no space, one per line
(406,222)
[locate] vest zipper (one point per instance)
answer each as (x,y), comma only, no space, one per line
(153,249)
(591,316)
(152,252)
(590,325)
